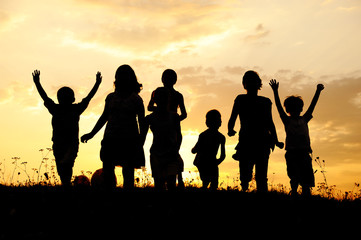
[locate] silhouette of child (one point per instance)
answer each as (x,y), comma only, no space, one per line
(65,123)
(167,138)
(121,144)
(176,100)
(257,134)
(206,149)
(298,144)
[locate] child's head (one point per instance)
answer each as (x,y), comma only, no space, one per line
(293,105)
(126,80)
(213,119)
(169,77)
(251,81)
(161,98)
(65,95)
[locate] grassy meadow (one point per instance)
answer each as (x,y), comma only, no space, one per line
(33,205)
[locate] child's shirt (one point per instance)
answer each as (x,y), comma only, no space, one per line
(207,147)
(255,114)
(175,99)
(123,112)
(297,133)
(65,120)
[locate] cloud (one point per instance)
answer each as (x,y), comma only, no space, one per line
(260,32)
(356,101)
(146,26)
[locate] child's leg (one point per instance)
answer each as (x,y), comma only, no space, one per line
(180,180)
(261,170)
(159,183)
(292,170)
(214,178)
(245,170)
(128,177)
(306,191)
(294,187)
(171,182)
(65,172)
(109,175)
(65,156)
(205,183)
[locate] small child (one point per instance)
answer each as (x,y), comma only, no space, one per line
(206,149)
(65,124)
(167,138)
(176,100)
(298,144)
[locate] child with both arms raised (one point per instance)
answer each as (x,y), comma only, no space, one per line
(298,144)
(65,123)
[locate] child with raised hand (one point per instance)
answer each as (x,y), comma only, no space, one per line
(298,144)
(124,116)
(65,123)
(206,149)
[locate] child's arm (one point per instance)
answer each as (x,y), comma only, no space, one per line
(151,103)
(182,108)
(36,78)
(95,88)
(274,136)
(274,85)
(144,129)
(312,106)
(195,148)
(223,151)
(179,134)
(101,122)
(232,121)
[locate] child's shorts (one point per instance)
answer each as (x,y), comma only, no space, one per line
(65,153)
(299,168)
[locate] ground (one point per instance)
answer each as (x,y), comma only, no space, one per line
(53,212)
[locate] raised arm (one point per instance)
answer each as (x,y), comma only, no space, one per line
(96,86)
(312,106)
(274,85)
(36,78)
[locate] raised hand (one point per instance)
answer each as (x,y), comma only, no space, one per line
(320,87)
(99,77)
(274,84)
(36,76)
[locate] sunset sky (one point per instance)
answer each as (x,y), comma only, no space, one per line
(210,44)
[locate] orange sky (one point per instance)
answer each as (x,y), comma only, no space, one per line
(210,44)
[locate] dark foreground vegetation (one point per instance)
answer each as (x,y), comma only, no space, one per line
(41,212)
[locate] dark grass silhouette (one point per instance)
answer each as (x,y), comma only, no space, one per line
(51,212)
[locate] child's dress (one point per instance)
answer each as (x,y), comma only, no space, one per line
(164,152)
(121,144)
